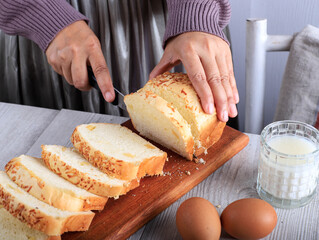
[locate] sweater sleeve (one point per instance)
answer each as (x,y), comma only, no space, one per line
(210,16)
(38,20)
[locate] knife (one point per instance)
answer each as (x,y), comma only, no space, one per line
(119,97)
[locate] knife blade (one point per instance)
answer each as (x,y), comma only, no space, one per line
(119,97)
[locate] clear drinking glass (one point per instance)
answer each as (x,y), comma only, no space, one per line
(286,179)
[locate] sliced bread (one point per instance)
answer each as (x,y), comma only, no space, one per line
(118,151)
(177,89)
(12,228)
(33,176)
(158,120)
(37,214)
(72,166)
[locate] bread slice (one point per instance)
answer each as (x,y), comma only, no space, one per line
(70,164)
(12,228)
(37,214)
(177,89)
(33,176)
(118,151)
(159,120)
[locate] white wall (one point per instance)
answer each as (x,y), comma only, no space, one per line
(285,17)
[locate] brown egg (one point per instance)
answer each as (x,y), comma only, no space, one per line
(197,218)
(249,218)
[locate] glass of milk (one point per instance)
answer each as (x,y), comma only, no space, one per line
(288,166)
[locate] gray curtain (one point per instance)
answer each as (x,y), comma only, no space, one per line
(130,32)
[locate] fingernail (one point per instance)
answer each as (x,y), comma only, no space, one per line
(210,108)
(225,116)
(233,110)
(108,96)
(236,98)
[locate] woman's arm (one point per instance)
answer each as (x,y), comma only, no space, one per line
(194,36)
(38,20)
(60,31)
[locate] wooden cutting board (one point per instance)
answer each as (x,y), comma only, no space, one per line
(124,216)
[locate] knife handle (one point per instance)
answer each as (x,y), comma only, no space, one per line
(93,83)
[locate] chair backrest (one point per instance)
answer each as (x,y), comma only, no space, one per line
(258,42)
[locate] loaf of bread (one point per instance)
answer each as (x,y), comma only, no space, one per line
(176,91)
(37,214)
(117,151)
(12,228)
(70,164)
(34,177)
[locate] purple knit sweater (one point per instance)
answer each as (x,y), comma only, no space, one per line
(41,20)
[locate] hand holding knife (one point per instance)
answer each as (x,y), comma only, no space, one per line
(119,97)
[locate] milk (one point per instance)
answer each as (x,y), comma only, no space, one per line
(291,175)
(292,145)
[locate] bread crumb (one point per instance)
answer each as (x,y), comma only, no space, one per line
(218,206)
(202,161)
(188,173)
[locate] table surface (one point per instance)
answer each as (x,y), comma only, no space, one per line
(23,129)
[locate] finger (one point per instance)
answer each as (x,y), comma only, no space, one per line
(102,75)
(232,79)
(215,86)
(80,74)
(66,72)
(53,61)
(197,76)
(57,69)
(225,80)
(166,64)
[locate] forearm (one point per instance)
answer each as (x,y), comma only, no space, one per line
(38,20)
(210,16)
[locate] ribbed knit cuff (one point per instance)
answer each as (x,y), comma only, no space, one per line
(38,20)
(210,16)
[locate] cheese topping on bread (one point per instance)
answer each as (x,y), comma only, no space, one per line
(72,166)
(34,177)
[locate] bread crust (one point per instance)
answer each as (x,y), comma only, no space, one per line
(38,220)
(57,197)
(209,136)
(54,238)
(151,166)
(80,179)
(120,169)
